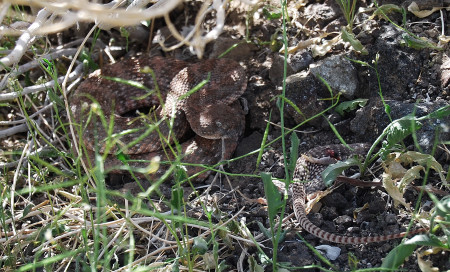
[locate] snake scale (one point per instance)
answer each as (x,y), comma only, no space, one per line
(309,167)
(207,122)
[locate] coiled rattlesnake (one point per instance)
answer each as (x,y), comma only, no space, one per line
(213,112)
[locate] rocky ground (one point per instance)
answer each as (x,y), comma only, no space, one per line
(410,81)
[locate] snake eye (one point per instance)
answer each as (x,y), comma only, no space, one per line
(330,152)
(219,124)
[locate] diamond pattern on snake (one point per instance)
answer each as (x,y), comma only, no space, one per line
(309,167)
(207,122)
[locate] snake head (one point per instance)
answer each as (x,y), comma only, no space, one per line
(332,154)
(217,121)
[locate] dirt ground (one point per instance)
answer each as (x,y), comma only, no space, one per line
(411,80)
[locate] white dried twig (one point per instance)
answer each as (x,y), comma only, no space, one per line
(25,40)
(113,14)
(36,88)
(72,12)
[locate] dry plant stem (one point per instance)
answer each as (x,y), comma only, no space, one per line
(19,236)
(36,63)
(107,16)
(240,264)
(153,253)
(116,235)
(25,40)
(177,35)
(208,231)
(157,237)
(120,223)
(198,41)
(13,185)
(77,73)
(15,164)
(4,7)
(39,112)
(35,211)
(54,239)
(69,112)
(38,210)
(14,130)
(73,12)
(38,125)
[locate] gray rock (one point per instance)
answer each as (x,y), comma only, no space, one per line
(340,74)
(242,51)
(249,144)
(303,90)
(137,33)
(316,218)
(300,60)
(390,35)
(395,75)
(319,14)
(276,71)
(343,220)
(336,200)
(390,219)
(371,120)
(329,212)
(377,205)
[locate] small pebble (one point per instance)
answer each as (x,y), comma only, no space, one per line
(390,219)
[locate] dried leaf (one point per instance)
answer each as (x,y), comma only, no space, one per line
(425,160)
(424,265)
(410,175)
(314,198)
(331,252)
(396,170)
(324,48)
(302,45)
(444,39)
(414,9)
(394,167)
(153,166)
(394,191)
(358,210)
(208,261)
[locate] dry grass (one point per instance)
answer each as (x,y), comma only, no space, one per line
(56,212)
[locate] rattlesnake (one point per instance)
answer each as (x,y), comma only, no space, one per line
(309,167)
(213,112)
